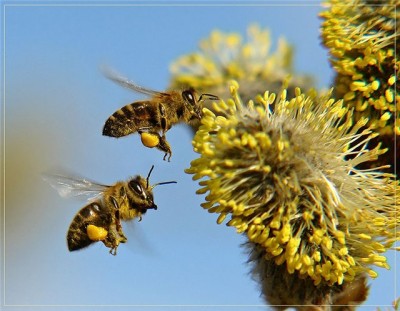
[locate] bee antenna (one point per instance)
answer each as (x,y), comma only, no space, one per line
(164,183)
(148,176)
(208,96)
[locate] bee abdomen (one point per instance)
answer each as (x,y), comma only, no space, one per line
(92,214)
(131,118)
(118,125)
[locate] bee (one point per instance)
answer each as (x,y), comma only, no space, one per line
(152,118)
(100,219)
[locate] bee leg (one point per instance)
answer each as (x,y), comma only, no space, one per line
(117,217)
(118,226)
(163,120)
(118,222)
(115,237)
(113,251)
(112,243)
(163,145)
(154,139)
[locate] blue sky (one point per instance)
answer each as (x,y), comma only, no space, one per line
(56,102)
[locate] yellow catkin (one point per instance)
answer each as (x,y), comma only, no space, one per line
(294,163)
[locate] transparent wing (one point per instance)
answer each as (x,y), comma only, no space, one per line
(75,187)
(125,82)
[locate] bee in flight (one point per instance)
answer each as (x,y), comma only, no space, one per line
(152,118)
(100,219)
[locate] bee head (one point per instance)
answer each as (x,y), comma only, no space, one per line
(141,194)
(195,105)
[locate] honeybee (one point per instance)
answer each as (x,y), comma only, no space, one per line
(100,220)
(154,117)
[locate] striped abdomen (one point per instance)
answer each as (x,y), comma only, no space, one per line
(134,117)
(93,214)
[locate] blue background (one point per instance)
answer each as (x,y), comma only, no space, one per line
(55,104)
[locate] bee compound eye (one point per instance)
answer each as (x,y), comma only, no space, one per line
(188,96)
(135,186)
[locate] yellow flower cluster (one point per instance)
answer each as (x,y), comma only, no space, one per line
(223,57)
(362,39)
(282,172)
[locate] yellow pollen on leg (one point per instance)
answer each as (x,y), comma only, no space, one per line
(149,140)
(96,233)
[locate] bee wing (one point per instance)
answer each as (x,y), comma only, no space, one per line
(125,82)
(75,187)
